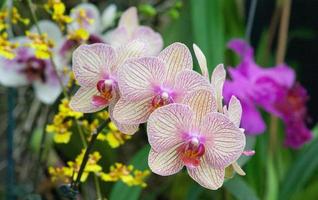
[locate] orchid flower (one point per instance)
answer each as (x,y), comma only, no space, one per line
(271,89)
(129,29)
(95,67)
(151,82)
(195,135)
(234,109)
(27,69)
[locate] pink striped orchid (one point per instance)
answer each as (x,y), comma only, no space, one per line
(95,68)
(193,134)
(151,82)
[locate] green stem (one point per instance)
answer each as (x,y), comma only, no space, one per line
(98,190)
(81,133)
(75,184)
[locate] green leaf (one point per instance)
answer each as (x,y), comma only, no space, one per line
(208,29)
(300,172)
(239,189)
(120,190)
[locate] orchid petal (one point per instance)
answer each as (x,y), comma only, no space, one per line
(11,77)
(201,102)
(47,92)
(92,62)
(51,29)
(250,113)
(176,57)
(242,48)
(124,128)
(82,100)
(235,111)
(238,169)
(207,176)
(152,39)
(129,20)
(108,16)
(133,112)
(217,81)
(132,49)
(165,163)
(201,60)
(116,37)
(224,141)
(167,124)
(138,76)
(188,81)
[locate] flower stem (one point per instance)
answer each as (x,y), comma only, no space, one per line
(75,184)
(250,20)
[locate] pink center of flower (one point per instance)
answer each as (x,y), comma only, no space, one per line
(191,152)
(34,69)
(161,99)
(105,88)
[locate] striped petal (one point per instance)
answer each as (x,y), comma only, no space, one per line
(176,57)
(82,100)
(116,37)
(91,62)
(188,81)
(129,20)
(124,128)
(235,111)
(224,141)
(217,81)
(137,78)
(132,49)
(165,163)
(167,124)
(201,102)
(133,112)
(207,176)
(201,60)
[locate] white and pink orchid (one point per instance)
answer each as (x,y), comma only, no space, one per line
(95,68)
(194,134)
(151,82)
(26,69)
(128,29)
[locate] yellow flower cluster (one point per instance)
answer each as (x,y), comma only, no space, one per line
(114,137)
(119,171)
(126,174)
(78,35)
(6,47)
(57,9)
(62,122)
(64,174)
(41,44)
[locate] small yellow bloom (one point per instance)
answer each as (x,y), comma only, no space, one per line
(60,127)
(114,137)
(91,165)
(41,44)
(80,35)
(6,47)
(16,17)
(65,110)
(60,174)
(126,174)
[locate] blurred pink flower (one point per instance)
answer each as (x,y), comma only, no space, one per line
(95,68)
(129,29)
(195,135)
(272,89)
(151,82)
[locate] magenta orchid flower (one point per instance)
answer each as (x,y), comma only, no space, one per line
(151,82)
(25,69)
(129,29)
(95,68)
(193,134)
(272,89)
